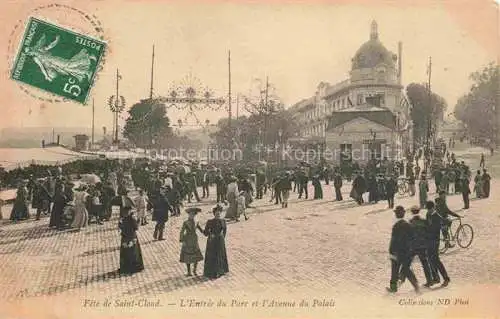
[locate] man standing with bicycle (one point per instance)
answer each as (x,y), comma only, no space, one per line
(435,222)
(443,211)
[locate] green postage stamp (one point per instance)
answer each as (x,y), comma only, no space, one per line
(57,60)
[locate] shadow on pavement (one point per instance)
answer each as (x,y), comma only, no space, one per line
(52,290)
(35,233)
(167,285)
(376,211)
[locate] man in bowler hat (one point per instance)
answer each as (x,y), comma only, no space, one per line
(400,251)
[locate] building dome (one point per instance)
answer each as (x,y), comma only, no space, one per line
(373,53)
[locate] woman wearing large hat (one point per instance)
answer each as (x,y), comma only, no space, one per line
(190,251)
(130,250)
(216,263)
(232,196)
(81,215)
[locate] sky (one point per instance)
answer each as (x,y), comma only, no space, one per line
(295,44)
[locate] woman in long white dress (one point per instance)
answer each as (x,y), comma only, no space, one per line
(81,215)
(232,196)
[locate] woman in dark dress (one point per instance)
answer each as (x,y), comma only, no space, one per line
(60,200)
(486,184)
(130,250)
(20,208)
(190,251)
(318,191)
(215,254)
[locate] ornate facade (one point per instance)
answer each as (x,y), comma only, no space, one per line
(369,109)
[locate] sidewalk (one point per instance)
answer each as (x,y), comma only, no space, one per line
(315,249)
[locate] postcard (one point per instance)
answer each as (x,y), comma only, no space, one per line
(249,159)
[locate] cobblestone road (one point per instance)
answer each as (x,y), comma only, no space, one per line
(312,250)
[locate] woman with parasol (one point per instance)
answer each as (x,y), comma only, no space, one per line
(190,251)
(216,263)
(81,215)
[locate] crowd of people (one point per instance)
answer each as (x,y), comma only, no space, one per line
(163,190)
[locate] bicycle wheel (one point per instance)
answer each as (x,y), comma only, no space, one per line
(465,234)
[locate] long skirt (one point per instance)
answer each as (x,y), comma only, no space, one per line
(486,189)
(422,197)
(80,218)
(56,215)
(479,190)
(190,251)
(130,256)
(233,206)
(318,192)
(19,211)
(248,198)
(216,263)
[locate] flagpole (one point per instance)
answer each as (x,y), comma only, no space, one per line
(93,118)
(116,111)
(237,106)
(429,121)
(229,111)
(152,73)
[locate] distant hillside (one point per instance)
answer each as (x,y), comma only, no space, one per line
(26,137)
(202,134)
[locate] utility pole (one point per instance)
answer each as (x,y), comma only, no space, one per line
(229,110)
(116,113)
(152,73)
(93,118)
(430,114)
(266,110)
(237,106)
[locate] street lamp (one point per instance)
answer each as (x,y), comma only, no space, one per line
(374,136)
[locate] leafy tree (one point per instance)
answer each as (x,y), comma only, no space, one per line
(477,108)
(147,124)
(249,133)
(423,112)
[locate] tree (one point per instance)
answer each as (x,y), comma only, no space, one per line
(147,124)
(249,133)
(423,112)
(477,108)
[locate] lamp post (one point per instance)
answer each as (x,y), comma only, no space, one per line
(280,145)
(374,136)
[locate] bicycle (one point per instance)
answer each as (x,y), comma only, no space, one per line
(463,236)
(403,186)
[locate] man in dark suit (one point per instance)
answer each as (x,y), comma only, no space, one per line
(337,184)
(161,208)
(420,241)
(435,222)
(390,190)
(443,211)
(465,192)
(205,183)
(400,251)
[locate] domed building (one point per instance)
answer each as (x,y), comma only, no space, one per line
(367,114)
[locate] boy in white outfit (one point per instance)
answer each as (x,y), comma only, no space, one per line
(141,204)
(241,202)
